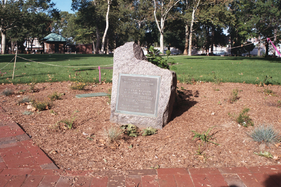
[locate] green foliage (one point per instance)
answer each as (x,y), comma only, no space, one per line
(113,134)
(155,58)
(7,92)
(41,105)
(244,118)
(130,130)
(149,131)
(234,96)
(78,86)
(69,122)
(55,96)
(264,154)
(205,136)
(265,134)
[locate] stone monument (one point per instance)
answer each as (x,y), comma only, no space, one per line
(142,94)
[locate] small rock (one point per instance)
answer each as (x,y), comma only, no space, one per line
(29,107)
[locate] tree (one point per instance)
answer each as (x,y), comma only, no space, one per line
(162,8)
(13,14)
(10,17)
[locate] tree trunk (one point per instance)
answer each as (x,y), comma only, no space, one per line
(98,40)
(3,42)
(94,47)
(106,26)
(213,40)
(162,36)
(191,28)
(185,52)
(191,32)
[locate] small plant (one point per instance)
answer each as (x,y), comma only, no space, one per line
(41,105)
(268,92)
(149,131)
(244,119)
(278,104)
(130,130)
(265,134)
(78,86)
(55,96)
(113,134)
(234,96)
(24,100)
(69,122)
(265,154)
(205,137)
(7,92)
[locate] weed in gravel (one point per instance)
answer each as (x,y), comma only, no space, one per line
(130,130)
(149,131)
(278,104)
(69,122)
(41,105)
(205,136)
(234,96)
(113,134)
(7,92)
(265,134)
(264,154)
(269,92)
(244,118)
(54,96)
(24,100)
(78,86)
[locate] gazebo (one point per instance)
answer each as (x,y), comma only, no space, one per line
(54,43)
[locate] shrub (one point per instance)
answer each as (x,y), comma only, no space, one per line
(55,96)
(7,92)
(113,134)
(154,57)
(244,119)
(265,134)
(41,105)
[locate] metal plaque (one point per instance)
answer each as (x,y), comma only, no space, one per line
(138,94)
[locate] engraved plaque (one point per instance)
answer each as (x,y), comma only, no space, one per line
(138,94)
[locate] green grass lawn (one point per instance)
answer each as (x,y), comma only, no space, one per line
(64,67)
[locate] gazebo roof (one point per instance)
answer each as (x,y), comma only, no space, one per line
(53,37)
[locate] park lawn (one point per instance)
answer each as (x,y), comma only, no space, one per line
(77,67)
(56,67)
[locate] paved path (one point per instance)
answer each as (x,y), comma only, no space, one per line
(24,164)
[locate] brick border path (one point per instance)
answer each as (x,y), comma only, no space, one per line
(23,164)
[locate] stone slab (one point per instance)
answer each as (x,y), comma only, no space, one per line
(154,110)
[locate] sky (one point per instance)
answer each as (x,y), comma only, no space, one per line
(63,5)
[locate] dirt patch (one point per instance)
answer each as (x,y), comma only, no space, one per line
(200,107)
